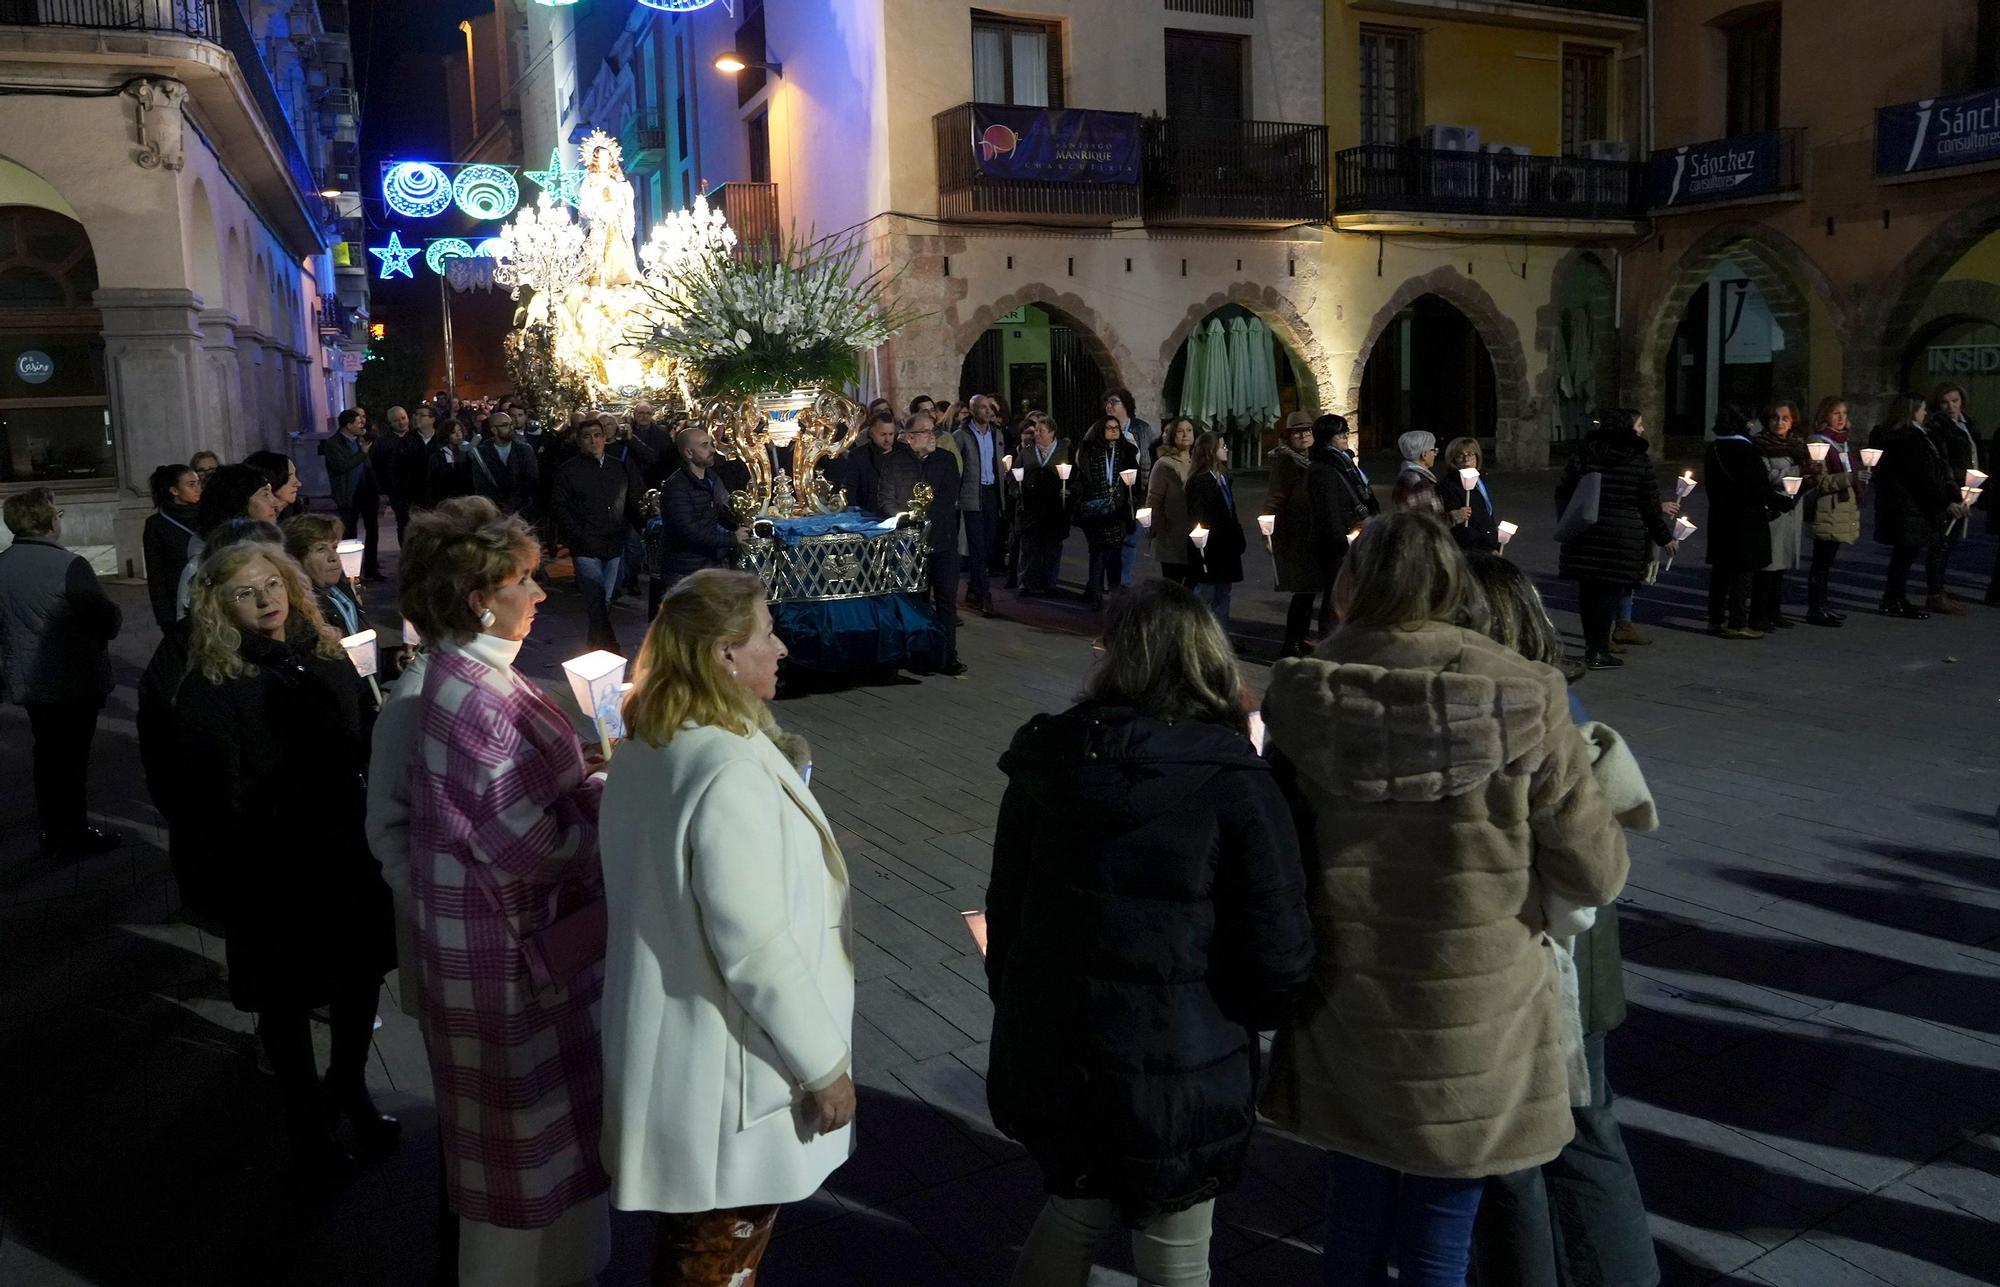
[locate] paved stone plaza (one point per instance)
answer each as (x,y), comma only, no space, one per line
(1811,1072)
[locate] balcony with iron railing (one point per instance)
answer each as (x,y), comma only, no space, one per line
(967,192)
(644,139)
(1572,15)
(1406,179)
(1247,173)
(751,210)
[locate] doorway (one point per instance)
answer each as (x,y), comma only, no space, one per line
(1428,370)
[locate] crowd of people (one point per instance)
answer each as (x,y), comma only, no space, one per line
(633,971)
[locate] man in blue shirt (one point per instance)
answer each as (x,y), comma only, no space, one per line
(979,497)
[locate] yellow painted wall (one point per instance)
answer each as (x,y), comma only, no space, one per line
(1825,357)
(1506,81)
(1981,263)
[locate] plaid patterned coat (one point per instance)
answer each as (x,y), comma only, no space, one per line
(504,842)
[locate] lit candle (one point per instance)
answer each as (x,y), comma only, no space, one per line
(1354,536)
(1468,478)
(1020,472)
(1975,478)
(1006,462)
(351,553)
(1817,450)
(1267,524)
(1683,528)
(1507,531)
(593,680)
(1871,457)
(1128,476)
(1145,516)
(360,651)
(1199,535)
(1684,484)
(1792,486)
(411,637)
(1968,494)
(1062,471)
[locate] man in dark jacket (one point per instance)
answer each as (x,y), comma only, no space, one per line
(1741,500)
(503,468)
(357,496)
(662,457)
(868,462)
(1916,504)
(937,470)
(980,451)
(697,527)
(55,621)
(596,502)
(387,447)
(413,462)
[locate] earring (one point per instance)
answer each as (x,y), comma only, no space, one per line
(732,672)
(486,618)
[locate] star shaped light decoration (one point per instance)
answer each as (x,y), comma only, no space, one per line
(396,256)
(557,182)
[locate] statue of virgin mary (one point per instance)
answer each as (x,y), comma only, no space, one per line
(605,201)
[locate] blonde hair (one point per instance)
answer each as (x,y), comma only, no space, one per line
(462,547)
(1516,616)
(679,679)
(1165,656)
(303,531)
(215,644)
(1405,570)
(1451,449)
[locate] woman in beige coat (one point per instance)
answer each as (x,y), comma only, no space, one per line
(1449,792)
(1166,492)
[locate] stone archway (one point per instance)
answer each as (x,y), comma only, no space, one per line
(1578,329)
(1519,444)
(1782,272)
(1102,343)
(1906,296)
(1314,368)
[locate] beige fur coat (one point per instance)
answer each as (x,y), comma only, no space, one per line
(1448,787)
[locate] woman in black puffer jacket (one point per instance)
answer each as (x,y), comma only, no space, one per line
(1146,920)
(1610,556)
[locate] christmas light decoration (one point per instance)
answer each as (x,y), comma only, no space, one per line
(556,181)
(446,248)
(489,248)
(486,192)
(395,257)
(417,189)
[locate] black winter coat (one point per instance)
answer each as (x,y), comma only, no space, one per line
(596,503)
(273,763)
(1741,502)
(1044,514)
(1913,488)
(1103,506)
(697,527)
(1479,534)
(1209,506)
(1287,499)
(1146,919)
(510,483)
(1341,501)
(1957,441)
(1617,547)
(166,539)
(350,475)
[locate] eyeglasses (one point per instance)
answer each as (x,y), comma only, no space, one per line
(269,592)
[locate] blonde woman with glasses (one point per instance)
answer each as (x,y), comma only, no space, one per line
(271,746)
(729,994)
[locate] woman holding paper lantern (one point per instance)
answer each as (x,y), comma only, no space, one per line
(508,898)
(1294,556)
(1609,557)
(729,992)
(1041,472)
(1783,445)
(1107,470)
(1834,508)
(1166,498)
(270,741)
(1341,500)
(1461,490)
(1215,532)
(1915,503)
(1956,436)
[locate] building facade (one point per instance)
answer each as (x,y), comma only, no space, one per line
(1815,237)
(173,179)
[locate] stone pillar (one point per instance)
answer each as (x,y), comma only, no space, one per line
(273,425)
(152,358)
(221,385)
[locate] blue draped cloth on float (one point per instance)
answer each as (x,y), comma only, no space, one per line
(847,633)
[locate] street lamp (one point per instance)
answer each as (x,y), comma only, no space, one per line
(730,62)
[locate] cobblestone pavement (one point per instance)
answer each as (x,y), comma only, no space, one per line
(1810,1076)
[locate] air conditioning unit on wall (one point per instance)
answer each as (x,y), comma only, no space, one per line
(1451,138)
(1606,150)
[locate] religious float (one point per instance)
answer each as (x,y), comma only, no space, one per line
(756,344)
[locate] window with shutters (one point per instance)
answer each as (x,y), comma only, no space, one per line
(1586,103)
(1391,111)
(1204,75)
(1753,74)
(1016,62)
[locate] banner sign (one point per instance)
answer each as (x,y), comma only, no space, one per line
(1061,146)
(1934,133)
(1719,170)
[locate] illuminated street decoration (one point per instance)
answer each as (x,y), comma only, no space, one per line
(417,189)
(486,192)
(557,182)
(446,248)
(491,248)
(395,257)
(671,6)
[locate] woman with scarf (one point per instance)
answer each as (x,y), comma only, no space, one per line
(1784,450)
(1416,486)
(1216,560)
(1166,494)
(1479,533)
(1294,556)
(169,536)
(1341,500)
(1956,437)
(1104,505)
(1833,508)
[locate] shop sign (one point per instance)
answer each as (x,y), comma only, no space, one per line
(1719,170)
(1934,133)
(34,367)
(1962,359)
(1060,146)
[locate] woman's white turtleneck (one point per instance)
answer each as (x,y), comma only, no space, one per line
(492,650)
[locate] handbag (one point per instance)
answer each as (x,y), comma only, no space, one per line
(1580,515)
(1096,509)
(562,949)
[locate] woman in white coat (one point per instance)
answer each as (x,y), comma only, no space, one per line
(729,982)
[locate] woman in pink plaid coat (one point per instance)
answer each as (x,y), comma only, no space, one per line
(503,848)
